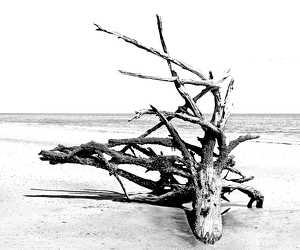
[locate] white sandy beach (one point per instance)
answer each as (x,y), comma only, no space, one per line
(72,207)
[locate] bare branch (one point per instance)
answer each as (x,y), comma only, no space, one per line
(163,43)
(146,151)
(142,112)
(203,123)
(203,92)
(221,108)
(167,142)
(154,128)
(217,107)
(190,102)
(146,183)
(180,143)
(61,158)
(177,196)
(112,170)
(241,180)
(234,170)
(227,106)
(174,74)
(207,83)
(185,117)
(153,51)
(254,194)
(233,144)
(178,83)
(173,164)
(180,109)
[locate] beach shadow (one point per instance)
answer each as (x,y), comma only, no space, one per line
(77,194)
(92,194)
(179,221)
(183,224)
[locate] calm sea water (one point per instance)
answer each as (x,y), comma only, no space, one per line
(272,128)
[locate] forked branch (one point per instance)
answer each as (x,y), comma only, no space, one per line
(153,51)
(177,139)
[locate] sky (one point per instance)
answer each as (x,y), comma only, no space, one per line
(53,61)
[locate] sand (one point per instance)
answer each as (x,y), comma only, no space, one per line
(72,206)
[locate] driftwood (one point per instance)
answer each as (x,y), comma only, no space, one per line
(204,184)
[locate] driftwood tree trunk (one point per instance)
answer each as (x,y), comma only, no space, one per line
(204,186)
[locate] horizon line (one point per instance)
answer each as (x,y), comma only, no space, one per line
(95,113)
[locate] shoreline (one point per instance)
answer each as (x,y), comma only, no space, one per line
(71,206)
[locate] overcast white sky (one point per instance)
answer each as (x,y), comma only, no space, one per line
(53,60)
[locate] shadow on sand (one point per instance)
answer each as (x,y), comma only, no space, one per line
(183,222)
(78,194)
(175,219)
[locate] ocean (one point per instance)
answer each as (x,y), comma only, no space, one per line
(57,128)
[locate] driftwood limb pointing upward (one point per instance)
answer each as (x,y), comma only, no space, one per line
(206,83)
(153,51)
(205,172)
(178,82)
